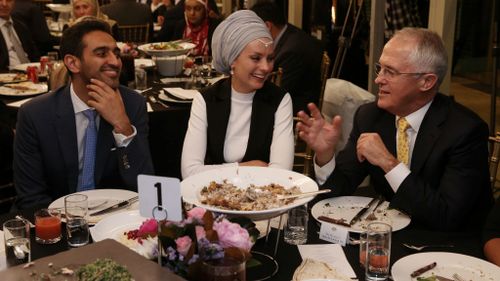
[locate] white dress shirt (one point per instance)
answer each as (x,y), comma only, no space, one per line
(398,174)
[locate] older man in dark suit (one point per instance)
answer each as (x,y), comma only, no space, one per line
(424,152)
(16,43)
(89,134)
(296,52)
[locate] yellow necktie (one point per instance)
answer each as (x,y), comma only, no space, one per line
(403,141)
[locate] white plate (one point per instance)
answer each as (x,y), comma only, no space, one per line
(346,207)
(97,196)
(186,47)
(243,177)
(470,268)
(144,63)
(115,225)
(12,77)
(164,97)
(31,89)
(23,66)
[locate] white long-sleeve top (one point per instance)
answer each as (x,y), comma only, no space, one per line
(238,130)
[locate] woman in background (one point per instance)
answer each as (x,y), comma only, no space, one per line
(83,8)
(241,120)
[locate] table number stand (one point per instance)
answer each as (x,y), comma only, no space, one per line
(158,223)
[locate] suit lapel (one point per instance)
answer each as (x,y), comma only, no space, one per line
(429,133)
(387,130)
(66,136)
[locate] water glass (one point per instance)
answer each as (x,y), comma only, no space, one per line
(53,56)
(378,251)
(48,226)
(296,225)
(362,248)
(17,241)
(141,79)
(77,228)
(225,269)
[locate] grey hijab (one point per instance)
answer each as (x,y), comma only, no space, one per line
(233,34)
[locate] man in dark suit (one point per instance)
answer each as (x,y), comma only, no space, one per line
(32,16)
(435,169)
(296,52)
(59,148)
(21,37)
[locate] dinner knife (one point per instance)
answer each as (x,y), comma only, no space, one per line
(362,211)
(116,206)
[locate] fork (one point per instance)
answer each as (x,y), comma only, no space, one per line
(457,277)
(154,100)
(420,248)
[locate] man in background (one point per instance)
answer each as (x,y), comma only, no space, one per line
(92,133)
(16,42)
(296,52)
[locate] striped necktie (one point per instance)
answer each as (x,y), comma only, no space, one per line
(87,180)
(403,141)
(18,48)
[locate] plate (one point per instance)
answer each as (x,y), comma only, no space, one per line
(186,47)
(115,225)
(96,198)
(166,98)
(60,8)
(470,268)
(243,177)
(22,89)
(23,66)
(12,77)
(144,63)
(346,207)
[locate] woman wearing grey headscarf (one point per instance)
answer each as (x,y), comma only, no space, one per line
(244,119)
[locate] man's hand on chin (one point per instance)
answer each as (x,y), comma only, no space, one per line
(109,104)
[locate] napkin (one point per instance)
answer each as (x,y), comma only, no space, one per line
(150,109)
(175,79)
(311,269)
(18,103)
(331,254)
(182,93)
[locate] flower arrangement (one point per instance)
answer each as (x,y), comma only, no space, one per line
(200,237)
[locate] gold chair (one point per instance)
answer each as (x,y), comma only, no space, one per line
(303,153)
(134,33)
(276,76)
(494,161)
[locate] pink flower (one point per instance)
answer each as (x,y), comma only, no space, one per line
(196,213)
(183,244)
(149,226)
(200,232)
(232,235)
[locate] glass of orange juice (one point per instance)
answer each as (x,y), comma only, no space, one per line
(48,226)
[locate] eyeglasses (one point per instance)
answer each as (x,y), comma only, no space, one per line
(391,73)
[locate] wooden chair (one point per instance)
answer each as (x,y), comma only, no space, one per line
(276,76)
(43,6)
(494,161)
(303,153)
(134,33)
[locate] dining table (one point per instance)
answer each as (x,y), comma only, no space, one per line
(288,257)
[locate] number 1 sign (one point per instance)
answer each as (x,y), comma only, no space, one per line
(160,197)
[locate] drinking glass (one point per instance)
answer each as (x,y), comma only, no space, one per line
(76,207)
(296,225)
(48,226)
(225,269)
(141,79)
(53,56)
(378,251)
(17,241)
(362,248)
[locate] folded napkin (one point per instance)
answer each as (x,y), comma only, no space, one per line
(175,79)
(182,93)
(330,258)
(18,103)
(150,109)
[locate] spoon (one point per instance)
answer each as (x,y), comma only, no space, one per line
(154,100)
(305,194)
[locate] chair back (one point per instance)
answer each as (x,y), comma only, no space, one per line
(325,74)
(276,76)
(134,33)
(494,161)
(43,6)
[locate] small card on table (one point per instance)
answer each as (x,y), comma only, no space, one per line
(160,197)
(333,233)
